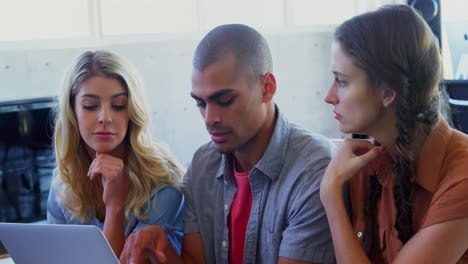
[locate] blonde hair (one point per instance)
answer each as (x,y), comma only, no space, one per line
(148,164)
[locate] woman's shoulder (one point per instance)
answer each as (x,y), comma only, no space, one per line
(169,194)
(166,201)
(455,162)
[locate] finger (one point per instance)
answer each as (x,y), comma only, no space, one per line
(134,258)
(93,172)
(161,257)
(143,241)
(106,157)
(94,168)
(125,253)
(132,253)
(358,146)
(159,251)
(129,246)
(362,143)
(90,169)
(109,163)
(371,154)
(150,256)
(99,167)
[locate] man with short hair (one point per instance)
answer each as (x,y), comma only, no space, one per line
(252,193)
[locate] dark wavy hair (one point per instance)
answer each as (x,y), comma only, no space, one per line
(395,47)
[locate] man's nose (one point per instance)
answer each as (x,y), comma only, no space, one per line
(212,115)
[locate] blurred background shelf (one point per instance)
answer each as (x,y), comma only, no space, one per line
(26,158)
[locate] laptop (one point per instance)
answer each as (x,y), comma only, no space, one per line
(56,244)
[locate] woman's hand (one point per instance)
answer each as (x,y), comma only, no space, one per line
(351,156)
(110,170)
(114,181)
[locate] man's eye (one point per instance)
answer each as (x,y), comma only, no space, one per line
(201,104)
(226,102)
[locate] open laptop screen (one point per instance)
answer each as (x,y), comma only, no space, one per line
(56,244)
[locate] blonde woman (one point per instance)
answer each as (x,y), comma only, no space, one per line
(110,172)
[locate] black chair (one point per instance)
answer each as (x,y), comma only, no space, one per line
(458,100)
(38,139)
(26,158)
(10,177)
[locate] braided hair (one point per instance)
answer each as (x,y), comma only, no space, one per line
(395,47)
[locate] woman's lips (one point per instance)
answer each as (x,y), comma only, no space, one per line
(104,135)
(337,116)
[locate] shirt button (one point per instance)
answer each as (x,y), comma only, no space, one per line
(359,234)
(226,207)
(224,244)
(225,182)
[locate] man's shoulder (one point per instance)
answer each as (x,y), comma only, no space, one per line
(206,157)
(206,150)
(310,144)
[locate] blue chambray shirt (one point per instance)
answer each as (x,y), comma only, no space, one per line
(287,218)
(167,210)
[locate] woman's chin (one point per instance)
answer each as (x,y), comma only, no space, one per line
(346,130)
(104,149)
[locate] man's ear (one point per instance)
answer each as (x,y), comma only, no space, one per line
(389,96)
(269,87)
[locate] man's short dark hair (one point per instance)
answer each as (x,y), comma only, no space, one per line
(248,46)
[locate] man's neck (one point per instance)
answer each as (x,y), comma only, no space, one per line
(248,156)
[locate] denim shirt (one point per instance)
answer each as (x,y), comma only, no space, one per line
(287,218)
(167,210)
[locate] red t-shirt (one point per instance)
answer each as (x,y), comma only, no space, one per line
(239,217)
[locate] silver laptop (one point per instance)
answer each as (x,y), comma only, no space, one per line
(56,244)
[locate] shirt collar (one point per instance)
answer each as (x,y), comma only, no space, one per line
(275,155)
(222,165)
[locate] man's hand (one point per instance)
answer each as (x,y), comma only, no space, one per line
(150,240)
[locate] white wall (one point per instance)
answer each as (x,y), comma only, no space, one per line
(301,65)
